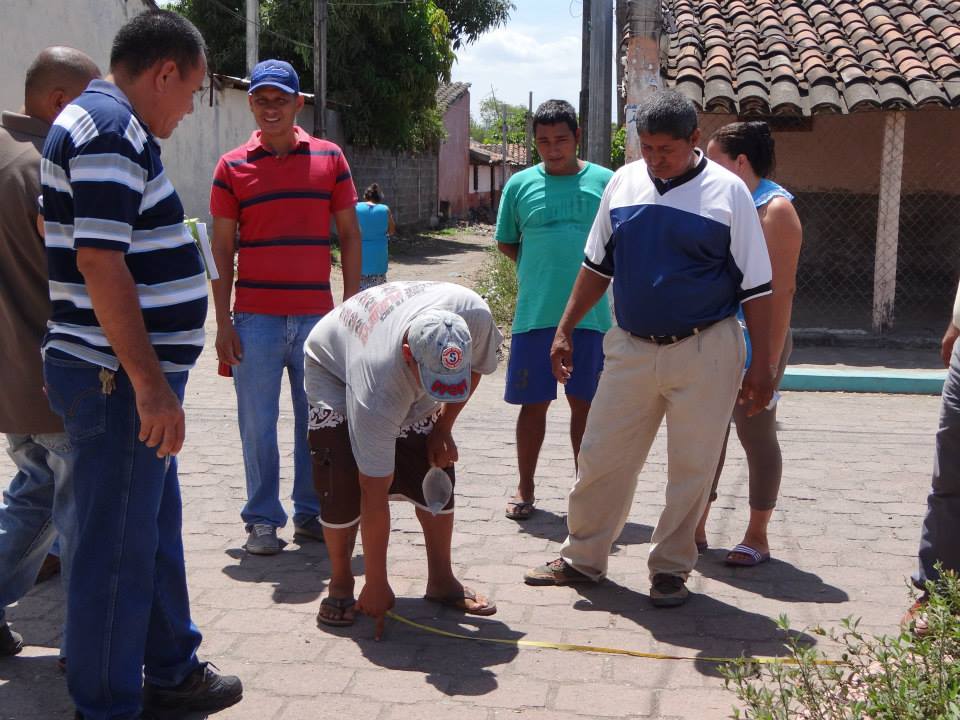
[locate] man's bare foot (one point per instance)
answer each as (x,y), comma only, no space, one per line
(519,508)
(461,598)
(760,546)
(337,608)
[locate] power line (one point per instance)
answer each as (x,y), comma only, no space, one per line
(242,18)
(299,43)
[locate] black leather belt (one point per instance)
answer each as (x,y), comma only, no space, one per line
(671,339)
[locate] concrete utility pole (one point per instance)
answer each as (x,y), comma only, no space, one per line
(618,42)
(642,74)
(601,55)
(320,68)
(503,175)
(253,35)
(530,130)
(584,80)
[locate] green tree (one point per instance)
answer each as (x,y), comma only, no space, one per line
(469,19)
(384,60)
(618,147)
(489,127)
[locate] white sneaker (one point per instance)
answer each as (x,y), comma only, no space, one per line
(263,540)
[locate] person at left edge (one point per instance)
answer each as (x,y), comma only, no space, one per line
(36,442)
(129,297)
(277,192)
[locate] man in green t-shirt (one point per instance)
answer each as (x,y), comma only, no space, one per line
(546,212)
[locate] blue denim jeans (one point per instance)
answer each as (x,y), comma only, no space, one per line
(37,499)
(272,344)
(940,536)
(128,614)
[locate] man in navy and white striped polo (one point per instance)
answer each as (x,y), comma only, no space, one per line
(129,299)
(680,237)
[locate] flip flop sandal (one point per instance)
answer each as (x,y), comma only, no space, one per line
(754,557)
(458,601)
(520,509)
(341,604)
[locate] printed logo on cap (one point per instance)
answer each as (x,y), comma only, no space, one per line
(451,357)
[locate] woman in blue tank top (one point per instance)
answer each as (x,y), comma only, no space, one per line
(747,150)
(376,225)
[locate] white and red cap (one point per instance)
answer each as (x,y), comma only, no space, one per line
(440,342)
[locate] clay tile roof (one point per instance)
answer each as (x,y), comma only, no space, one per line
(802,57)
(449,93)
(493,153)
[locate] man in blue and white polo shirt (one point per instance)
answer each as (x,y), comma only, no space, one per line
(129,299)
(681,238)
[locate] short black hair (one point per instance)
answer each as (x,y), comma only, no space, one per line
(373,193)
(667,112)
(751,139)
(153,36)
(552,112)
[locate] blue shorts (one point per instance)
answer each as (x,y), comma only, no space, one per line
(529,376)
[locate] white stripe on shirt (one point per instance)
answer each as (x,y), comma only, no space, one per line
(101,229)
(57,235)
(151,296)
(76,121)
(155,192)
(54,177)
(94,335)
(135,135)
(162,238)
(108,167)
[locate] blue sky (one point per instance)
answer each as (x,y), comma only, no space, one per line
(538,50)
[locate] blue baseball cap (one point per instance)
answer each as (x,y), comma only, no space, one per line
(275,73)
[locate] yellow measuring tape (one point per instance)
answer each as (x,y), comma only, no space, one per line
(571,647)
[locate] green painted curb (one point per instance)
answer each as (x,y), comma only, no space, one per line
(906,382)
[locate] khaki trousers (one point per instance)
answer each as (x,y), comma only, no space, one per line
(694,383)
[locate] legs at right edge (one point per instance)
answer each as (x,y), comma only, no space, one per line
(940,535)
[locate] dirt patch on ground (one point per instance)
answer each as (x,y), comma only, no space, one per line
(451,255)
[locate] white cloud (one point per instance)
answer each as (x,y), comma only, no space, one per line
(513,61)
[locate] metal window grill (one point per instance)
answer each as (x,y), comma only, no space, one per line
(880,258)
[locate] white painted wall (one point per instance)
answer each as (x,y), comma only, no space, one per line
(28,26)
(190,155)
(483,177)
(192,152)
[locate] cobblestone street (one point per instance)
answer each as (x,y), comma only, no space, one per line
(844,539)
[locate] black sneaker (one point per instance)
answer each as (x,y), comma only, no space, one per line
(312,529)
(555,572)
(11,642)
(204,690)
(48,569)
(668,590)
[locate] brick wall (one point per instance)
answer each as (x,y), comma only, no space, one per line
(408,181)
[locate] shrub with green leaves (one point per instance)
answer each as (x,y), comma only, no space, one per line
(497,284)
(910,676)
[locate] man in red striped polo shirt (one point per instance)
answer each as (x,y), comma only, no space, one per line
(272,201)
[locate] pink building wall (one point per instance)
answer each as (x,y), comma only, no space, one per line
(454,157)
